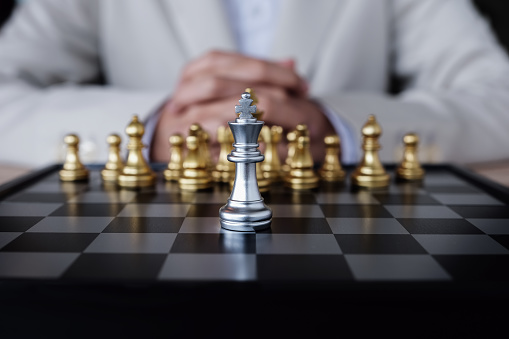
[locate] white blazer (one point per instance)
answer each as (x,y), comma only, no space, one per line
(456,94)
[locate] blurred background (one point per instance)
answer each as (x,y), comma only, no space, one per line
(495,11)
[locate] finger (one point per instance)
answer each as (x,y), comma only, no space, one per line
(239,67)
(288,63)
(275,93)
(205,88)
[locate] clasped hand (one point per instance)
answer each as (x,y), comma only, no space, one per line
(210,87)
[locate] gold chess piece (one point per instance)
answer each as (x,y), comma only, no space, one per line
(136,172)
(291,138)
(302,175)
(73,169)
(262,178)
(271,166)
(203,144)
(224,171)
(175,166)
(370,172)
(114,165)
(196,175)
(331,170)
(259,113)
(410,168)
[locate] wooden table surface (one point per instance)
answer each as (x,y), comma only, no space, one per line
(496,171)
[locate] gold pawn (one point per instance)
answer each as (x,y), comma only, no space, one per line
(370,173)
(114,165)
(302,175)
(271,166)
(136,172)
(331,170)
(259,113)
(175,166)
(224,172)
(203,144)
(291,137)
(195,175)
(263,181)
(410,168)
(73,169)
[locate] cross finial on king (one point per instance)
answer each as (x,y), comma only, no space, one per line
(245,108)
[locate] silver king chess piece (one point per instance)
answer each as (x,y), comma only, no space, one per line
(245,210)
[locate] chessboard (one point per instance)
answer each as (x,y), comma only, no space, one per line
(440,242)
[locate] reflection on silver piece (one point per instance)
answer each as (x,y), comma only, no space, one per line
(245,210)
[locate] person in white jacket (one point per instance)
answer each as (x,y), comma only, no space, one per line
(87,66)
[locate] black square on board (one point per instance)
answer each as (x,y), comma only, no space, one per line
(502,239)
(379,244)
(88,210)
(354,211)
(452,189)
(50,242)
(116,266)
(439,226)
(483,212)
(475,267)
(17,224)
(204,210)
(289,198)
(297,267)
(157,198)
(214,243)
(42,197)
(144,225)
(405,199)
(299,226)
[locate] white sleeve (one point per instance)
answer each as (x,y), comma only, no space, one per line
(456,93)
(350,147)
(48,62)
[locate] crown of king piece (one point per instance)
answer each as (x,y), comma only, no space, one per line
(245,108)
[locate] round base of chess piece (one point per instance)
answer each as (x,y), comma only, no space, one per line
(301,180)
(264,184)
(370,181)
(111,176)
(195,184)
(332,176)
(74,175)
(136,180)
(223,177)
(245,216)
(273,176)
(172,175)
(409,174)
